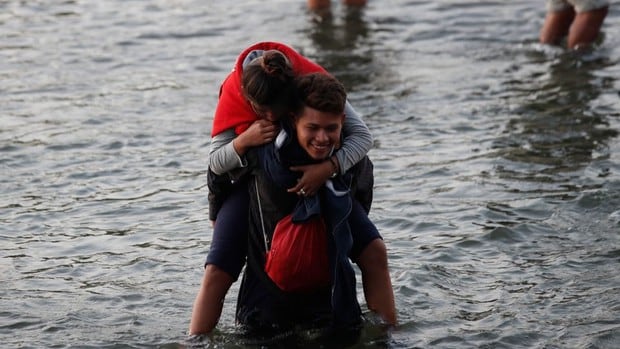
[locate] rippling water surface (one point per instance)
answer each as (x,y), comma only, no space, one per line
(497,167)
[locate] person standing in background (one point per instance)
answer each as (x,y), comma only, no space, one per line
(580,20)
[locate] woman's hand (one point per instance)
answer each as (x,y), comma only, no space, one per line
(312,179)
(260,132)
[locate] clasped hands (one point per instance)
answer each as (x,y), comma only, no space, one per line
(312,179)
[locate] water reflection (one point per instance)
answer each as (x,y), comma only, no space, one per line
(555,129)
(341,39)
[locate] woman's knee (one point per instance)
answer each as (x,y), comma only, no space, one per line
(374,256)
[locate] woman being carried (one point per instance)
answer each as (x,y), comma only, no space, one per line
(268,301)
(231,225)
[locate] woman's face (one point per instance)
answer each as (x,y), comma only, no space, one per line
(264,112)
(318,132)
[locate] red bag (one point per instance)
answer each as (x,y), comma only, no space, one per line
(298,260)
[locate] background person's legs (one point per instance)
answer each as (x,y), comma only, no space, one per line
(586,28)
(320,4)
(578,20)
(556,26)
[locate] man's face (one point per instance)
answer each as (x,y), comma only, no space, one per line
(318,132)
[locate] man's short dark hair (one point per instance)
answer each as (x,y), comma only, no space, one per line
(322,92)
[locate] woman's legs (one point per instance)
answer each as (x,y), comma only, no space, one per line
(209,300)
(230,232)
(373,263)
(224,262)
(370,254)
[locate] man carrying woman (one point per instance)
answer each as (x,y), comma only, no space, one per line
(268,86)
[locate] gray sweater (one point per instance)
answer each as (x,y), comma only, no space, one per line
(356,143)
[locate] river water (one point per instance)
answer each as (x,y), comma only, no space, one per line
(497,164)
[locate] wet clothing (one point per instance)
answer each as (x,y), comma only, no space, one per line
(228,250)
(261,306)
(234,114)
(334,307)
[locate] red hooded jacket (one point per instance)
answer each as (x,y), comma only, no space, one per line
(233,110)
